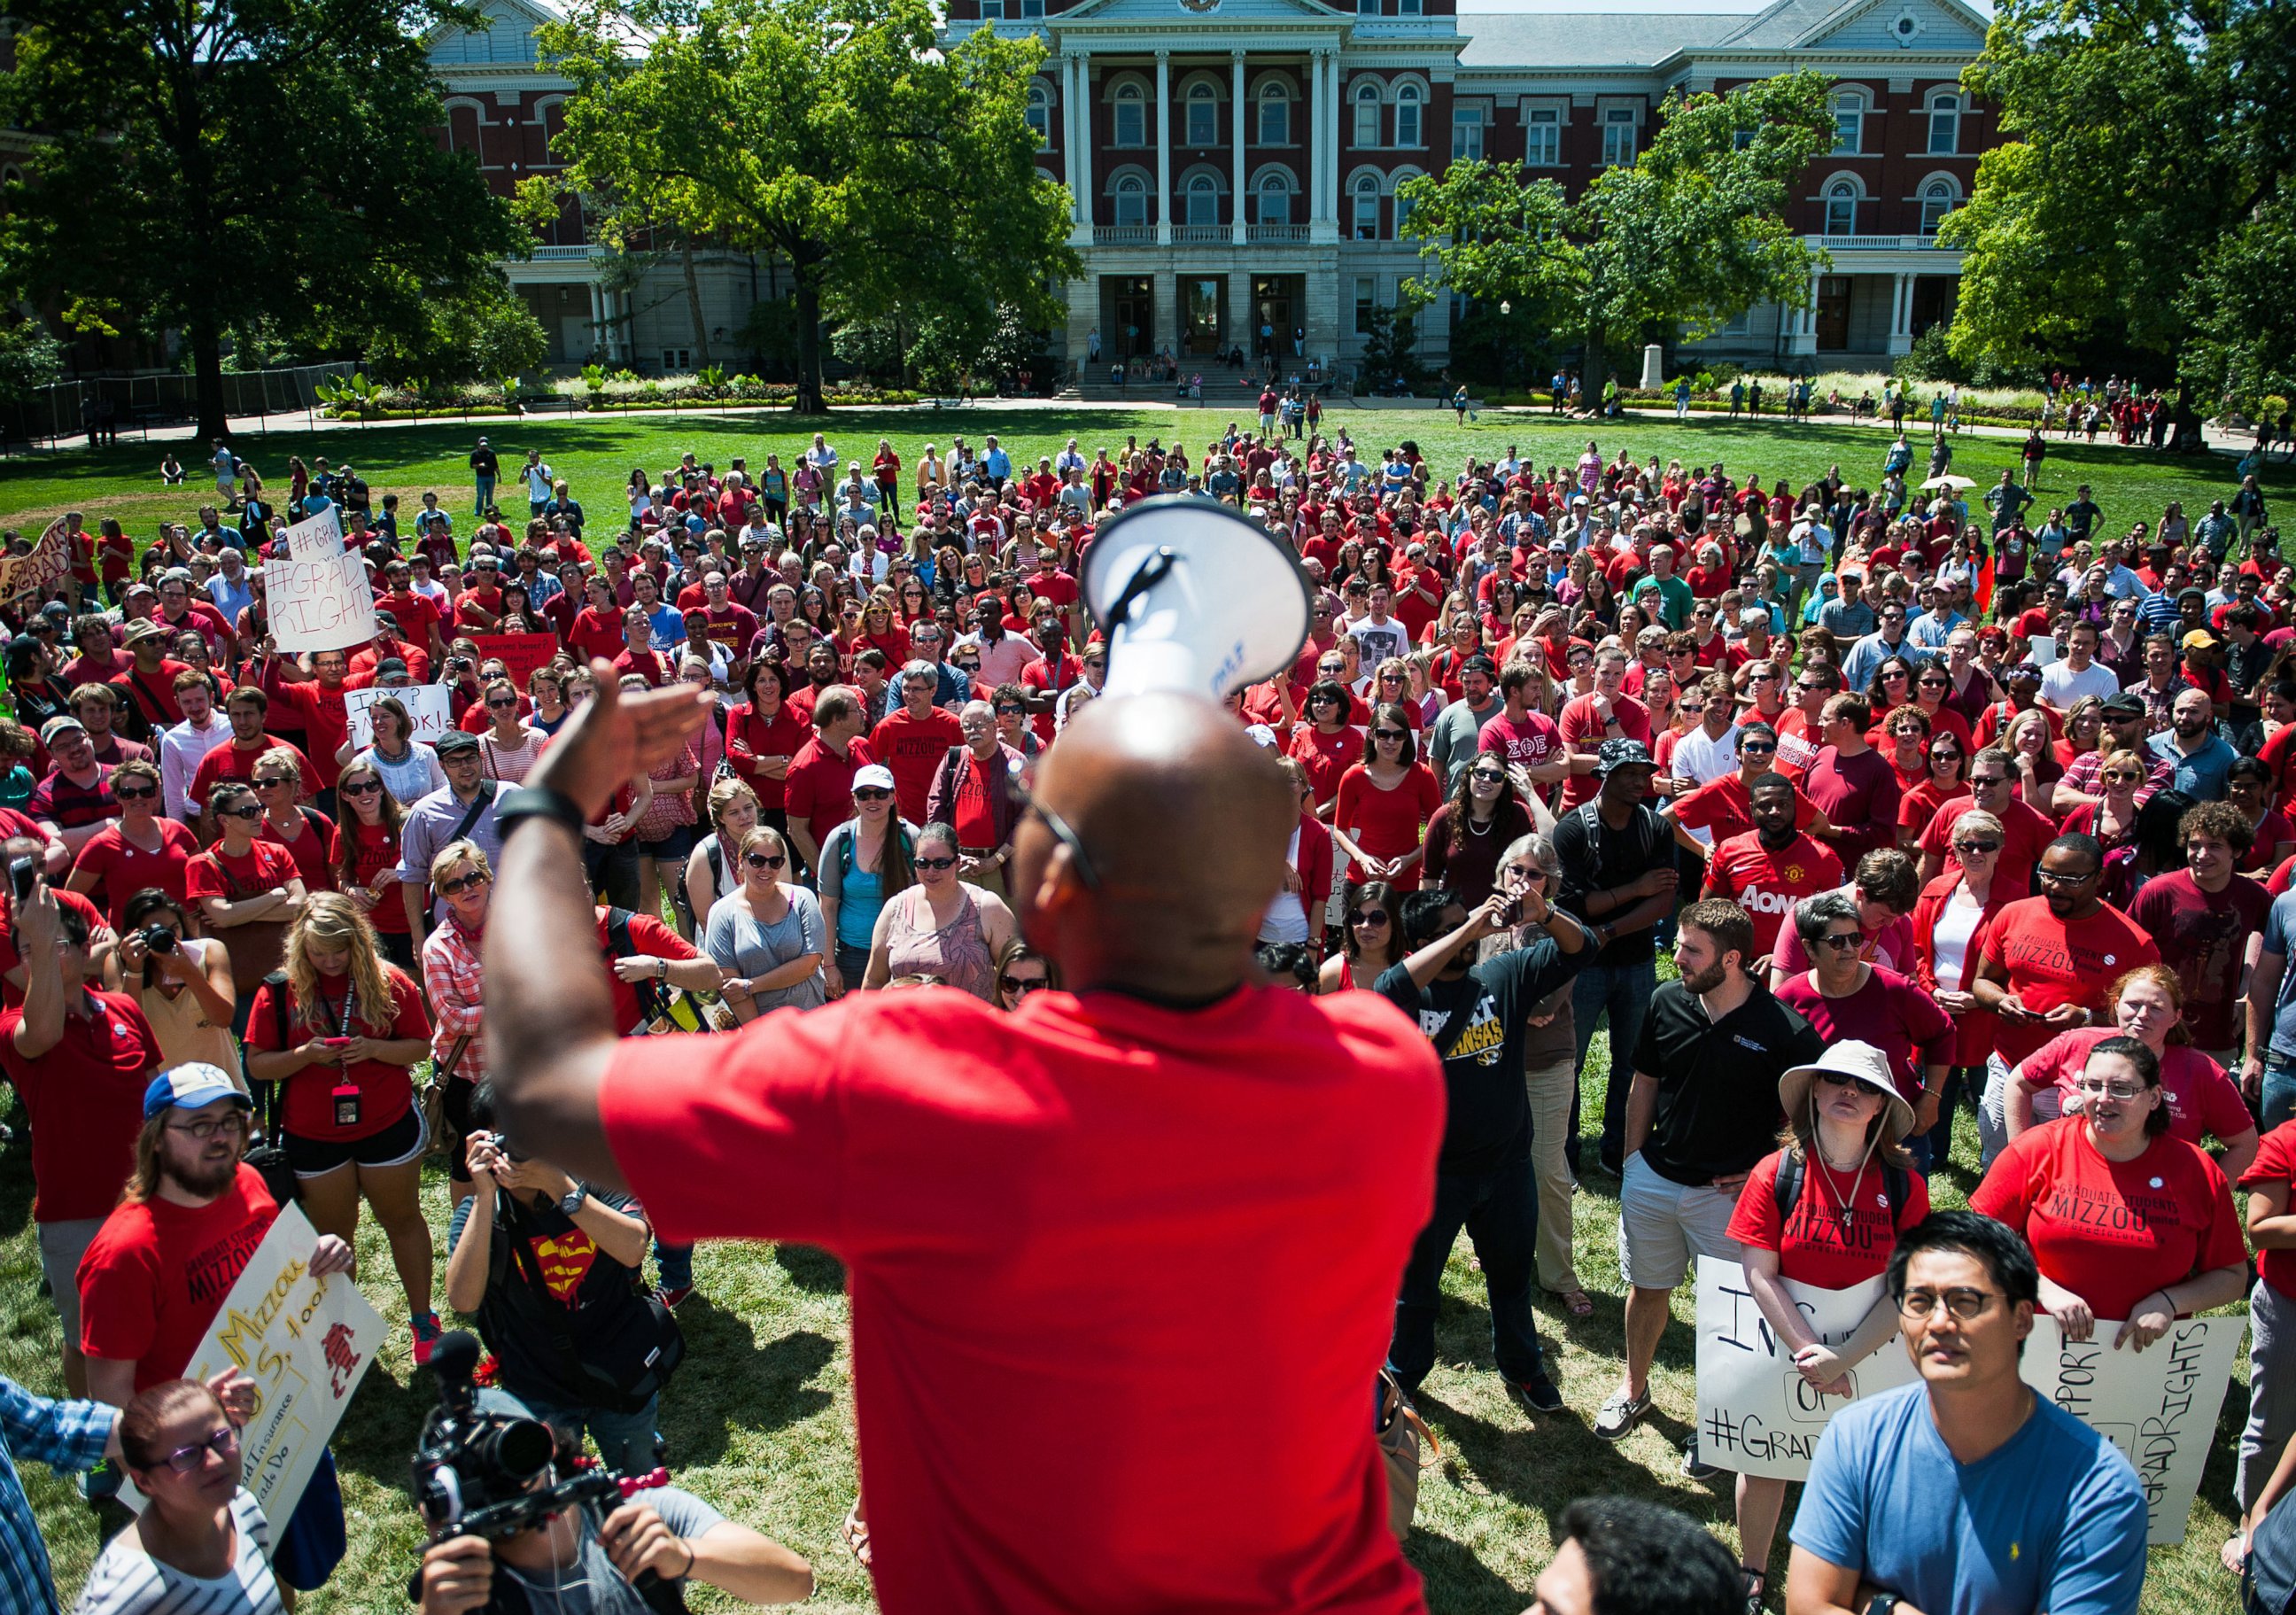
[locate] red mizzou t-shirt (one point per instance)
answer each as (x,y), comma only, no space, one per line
(2052,962)
(1816,1246)
(156,1272)
(2112,1232)
(1054,1220)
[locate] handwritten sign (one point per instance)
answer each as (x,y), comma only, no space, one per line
(520,653)
(318,538)
(319,604)
(429,707)
(1758,1416)
(42,567)
(305,1341)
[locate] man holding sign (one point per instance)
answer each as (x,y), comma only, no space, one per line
(1966,1491)
(192,1217)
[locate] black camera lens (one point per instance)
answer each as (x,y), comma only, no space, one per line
(159,939)
(516,1449)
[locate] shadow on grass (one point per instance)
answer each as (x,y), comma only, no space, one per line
(1458,1582)
(732,1384)
(810,1269)
(381,1425)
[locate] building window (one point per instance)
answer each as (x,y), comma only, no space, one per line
(1407,8)
(1275,118)
(1619,137)
(1366,208)
(1131,201)
(1275,200)
(1366,299)
(1366,8)
(1367,115)
(1203,199)
(1467,133)
(1402,210)
(1032,9)
(1203,116)
(1849,125)
(1937,199)
(1040,114)
(1542,139)
(1842,208)
(992,11)
(1945,124)
(676,359)
(1131,116)
(1407,115)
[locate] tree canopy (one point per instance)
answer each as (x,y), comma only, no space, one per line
(2142,199)
(893,178)
(1686,236)
(211,166)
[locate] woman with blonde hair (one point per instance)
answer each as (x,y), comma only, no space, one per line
(766,934)
(339,1038)
(710,870)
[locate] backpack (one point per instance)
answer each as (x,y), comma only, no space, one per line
(1897,1184)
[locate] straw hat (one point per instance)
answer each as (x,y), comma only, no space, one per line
(1861,1062)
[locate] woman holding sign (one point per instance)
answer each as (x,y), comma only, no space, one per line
(2126,1221)
(1824,1212)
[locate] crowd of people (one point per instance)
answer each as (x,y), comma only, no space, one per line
(1939,799)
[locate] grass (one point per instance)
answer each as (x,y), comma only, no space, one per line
(761,1420)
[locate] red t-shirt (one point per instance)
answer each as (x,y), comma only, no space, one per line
(384,1092)
(2112,1232)
(1387,824)
(314,850)
(1326,758)
(2026,834)
(156,1274)
(264,866)
(1858,796)
(2053,962)
(912,748)
(1580,724)
(651,937)
(2203,937)
(1724,807)
(748,737)
(121,868)
(84,1099)
(1813,1247)
(819,787)
(326,726)
(374,854)
(98,929)
(1033,1209)
(229,761)
(2201,1099)
(1531,739)
(1889,1012)
(2274,1163)
(1917,807)
(596,633)
(1768,884)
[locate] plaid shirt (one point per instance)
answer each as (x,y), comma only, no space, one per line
(455,981)
(65,1436)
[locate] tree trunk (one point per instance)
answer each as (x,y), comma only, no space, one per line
(1594,370)
(207,372)
(808,347)
(693,300)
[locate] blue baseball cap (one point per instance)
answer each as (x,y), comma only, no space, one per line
(192,1087)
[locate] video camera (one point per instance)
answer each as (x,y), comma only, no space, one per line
(489,1474)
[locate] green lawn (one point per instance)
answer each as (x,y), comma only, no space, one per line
(761,1420)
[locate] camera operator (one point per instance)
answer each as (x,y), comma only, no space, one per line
(551,1267)
(567,1566)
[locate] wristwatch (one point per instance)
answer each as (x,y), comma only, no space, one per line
(572,1201)
(514,807)
(1881,1604)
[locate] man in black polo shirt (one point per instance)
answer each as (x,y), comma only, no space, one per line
(1475,1015)
(1703,1110)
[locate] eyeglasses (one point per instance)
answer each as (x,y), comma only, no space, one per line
(448,888)
(184,1460)
(1987,782)
(871,793)
(1758,748)
(1964,1304)
(2120,1092)
(1390,735)
(948,863)
(1009,711)
(1487,776)
(363,788)
(1931,683)
(1810,689)
(206,1126)
(1844,942)
(2050,877)
(1896,676)
(1835,1079)
(1373,917)
(1980,849)
(128,793)
(249,812)
(267,782)
(760,860)
(510,705)
(1021,987)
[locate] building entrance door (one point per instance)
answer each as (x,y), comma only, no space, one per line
(1132,317)
(1201,300)
(1274,300)
(1833,314)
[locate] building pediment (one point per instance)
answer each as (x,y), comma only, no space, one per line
(1117,15)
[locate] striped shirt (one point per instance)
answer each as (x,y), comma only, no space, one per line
(126,1580)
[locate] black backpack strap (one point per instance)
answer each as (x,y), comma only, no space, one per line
(1896,1184)
(1786,1191)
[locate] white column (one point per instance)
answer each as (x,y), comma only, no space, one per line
(1069,141)
(1163,148)
(1083,169)
(1901,313)
(1319,177)
(1235,59)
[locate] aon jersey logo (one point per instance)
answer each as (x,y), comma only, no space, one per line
(1757,902)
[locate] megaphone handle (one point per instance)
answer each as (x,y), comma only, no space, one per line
(1152,572)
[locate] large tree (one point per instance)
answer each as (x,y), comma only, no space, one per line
(2143,200)
(892,178)
(211,166)
(1685,238)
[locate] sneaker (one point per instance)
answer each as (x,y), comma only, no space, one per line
(1694,1466)
(1540,1391)
(98,1483)
(1620,1414)
(674,1296)
(427,1330)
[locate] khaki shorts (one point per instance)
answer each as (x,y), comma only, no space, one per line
(61,1246)
(1663,1224)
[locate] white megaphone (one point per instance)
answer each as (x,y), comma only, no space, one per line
(1192,595)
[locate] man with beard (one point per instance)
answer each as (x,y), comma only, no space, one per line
(191,1216)
(1702,1112)
(2047,965)
(1454,737)
(1772,867)
(2202,757)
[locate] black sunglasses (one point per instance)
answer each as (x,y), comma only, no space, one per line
(448,888)
(760,860)
(871,793)
(1021,986)
(133,794)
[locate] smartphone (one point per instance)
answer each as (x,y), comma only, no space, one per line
(1513,912)
(335,1043)
(23,877)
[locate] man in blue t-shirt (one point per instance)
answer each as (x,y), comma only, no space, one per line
(1966,1492)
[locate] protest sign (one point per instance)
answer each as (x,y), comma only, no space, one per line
(41,568)
(318,538)
(520,653)
(1758,1416)
(305,1341)
(319,604)
(430,707)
